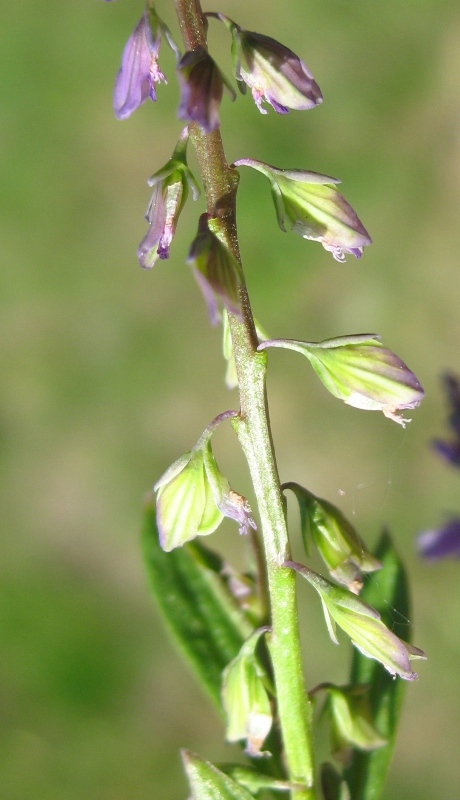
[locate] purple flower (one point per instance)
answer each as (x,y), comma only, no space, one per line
(441,542)
(273,72)
(450,451)
(171,185)
(139,69)
(201,86)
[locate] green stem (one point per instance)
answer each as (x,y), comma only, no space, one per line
(253,429)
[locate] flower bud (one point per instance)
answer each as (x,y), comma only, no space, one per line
(349,711)
(340,547)
(245,698)
(363,625)
(193,496)
(139,69)
(171,186)
(314,208)
(361,372)
(201,85)
(215,269)
(273,72)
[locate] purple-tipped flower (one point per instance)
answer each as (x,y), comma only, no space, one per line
(171,185)
(201,86)
(215,269)
(314,209)
(361,372)
(273,72)
(441,542)
(363,625)
(139,70)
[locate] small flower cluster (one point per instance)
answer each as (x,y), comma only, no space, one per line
(308,201)
(444,541)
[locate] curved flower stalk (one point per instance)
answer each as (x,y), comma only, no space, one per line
(314,208)
(201,85)
(139,71)
(363,625)
(171,186)
(273,72)
(361,372)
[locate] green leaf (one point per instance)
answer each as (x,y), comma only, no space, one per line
(388,593)
(209,783)
(197,606)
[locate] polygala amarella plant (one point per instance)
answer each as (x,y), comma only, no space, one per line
(240,631)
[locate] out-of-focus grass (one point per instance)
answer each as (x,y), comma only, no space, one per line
(109,373)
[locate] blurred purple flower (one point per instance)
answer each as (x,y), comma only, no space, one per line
(139,69)
(450,451)
(441,542)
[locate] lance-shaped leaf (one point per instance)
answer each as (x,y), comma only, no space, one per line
(203,617)
(363,624)
(389,594)
(360,371)
(245,698)
(340,547)
(209,783)
(314,208)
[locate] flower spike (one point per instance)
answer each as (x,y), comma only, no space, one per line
(314,208)
(273,72)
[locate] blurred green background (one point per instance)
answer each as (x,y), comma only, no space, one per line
(109,373)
